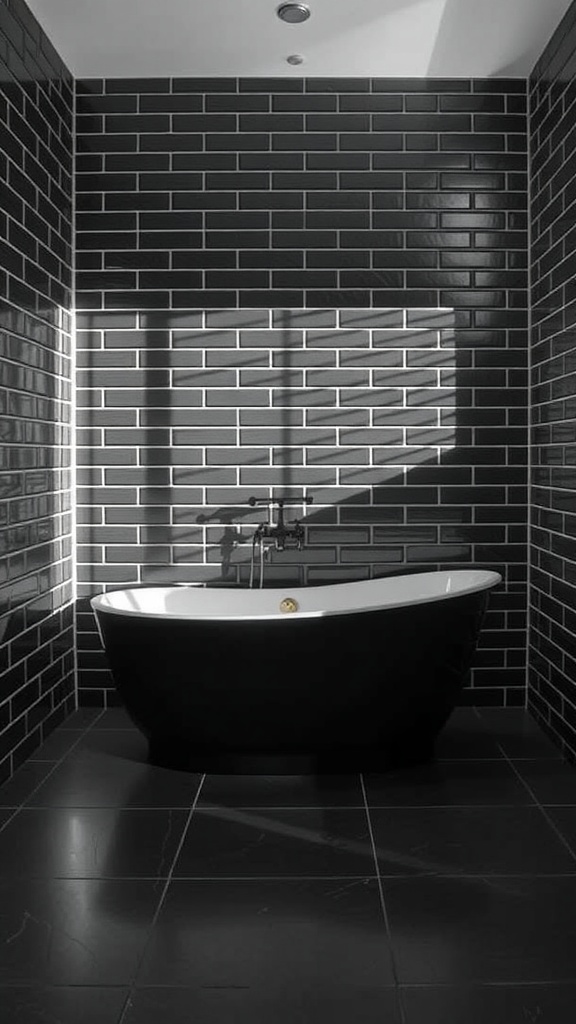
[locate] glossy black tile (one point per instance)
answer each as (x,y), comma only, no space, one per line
(126,744)
(113,718)
(259,843)
(5,814)
(139,85)
(517,734)
(551,781)
(498,1004)
(243,103)
(564,818)
(550,688)
(66,1004)
(473,930)
(58,745)
(299,791)
(467,840)
(35,219)
(93,778)
(421,85)
(448,784)
(72,932)
(24,782)
(192,85)
(313,931)
(91,843)
(282,1002)
(344,85)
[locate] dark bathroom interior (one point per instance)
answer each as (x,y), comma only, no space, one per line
(323,255)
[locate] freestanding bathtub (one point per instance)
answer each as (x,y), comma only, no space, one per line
(357,675)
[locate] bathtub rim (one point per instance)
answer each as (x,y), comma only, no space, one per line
(484,579)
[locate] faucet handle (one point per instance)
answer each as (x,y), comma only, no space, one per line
(270,502)
(279,501)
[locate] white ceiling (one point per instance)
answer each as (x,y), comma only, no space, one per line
(379,38)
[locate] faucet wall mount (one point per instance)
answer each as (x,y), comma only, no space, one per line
(277,532)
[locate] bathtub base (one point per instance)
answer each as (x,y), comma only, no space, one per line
(166,754)
(364,691)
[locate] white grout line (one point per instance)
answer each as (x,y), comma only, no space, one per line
(163,894)
(393,964)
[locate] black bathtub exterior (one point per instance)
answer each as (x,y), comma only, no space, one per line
(366,690)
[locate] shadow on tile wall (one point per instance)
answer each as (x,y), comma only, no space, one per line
(311,287)
(36,614)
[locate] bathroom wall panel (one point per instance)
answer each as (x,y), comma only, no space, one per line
(552,676)
(36,614)
(306,286)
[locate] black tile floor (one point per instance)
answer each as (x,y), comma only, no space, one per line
(444,894)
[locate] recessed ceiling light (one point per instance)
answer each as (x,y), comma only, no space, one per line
(295,58)
(293,13)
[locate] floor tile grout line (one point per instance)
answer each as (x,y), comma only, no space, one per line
(383,908)
(542,808)
(102,807)
(538,760)
(452,806)
(185,807)
(328,878)
(400,876)
(465,760)
(568,983)
(279,807)
(166,885)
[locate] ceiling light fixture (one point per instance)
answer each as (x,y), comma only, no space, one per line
(293,13)
(295,58)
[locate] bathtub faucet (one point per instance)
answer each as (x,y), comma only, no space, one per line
(282,534)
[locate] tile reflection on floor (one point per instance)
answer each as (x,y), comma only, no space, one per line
(441,894)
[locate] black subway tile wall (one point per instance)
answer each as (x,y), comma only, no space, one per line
(36,613)
(309,287)
(552,676)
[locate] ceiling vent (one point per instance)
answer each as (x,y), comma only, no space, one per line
(293,13)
